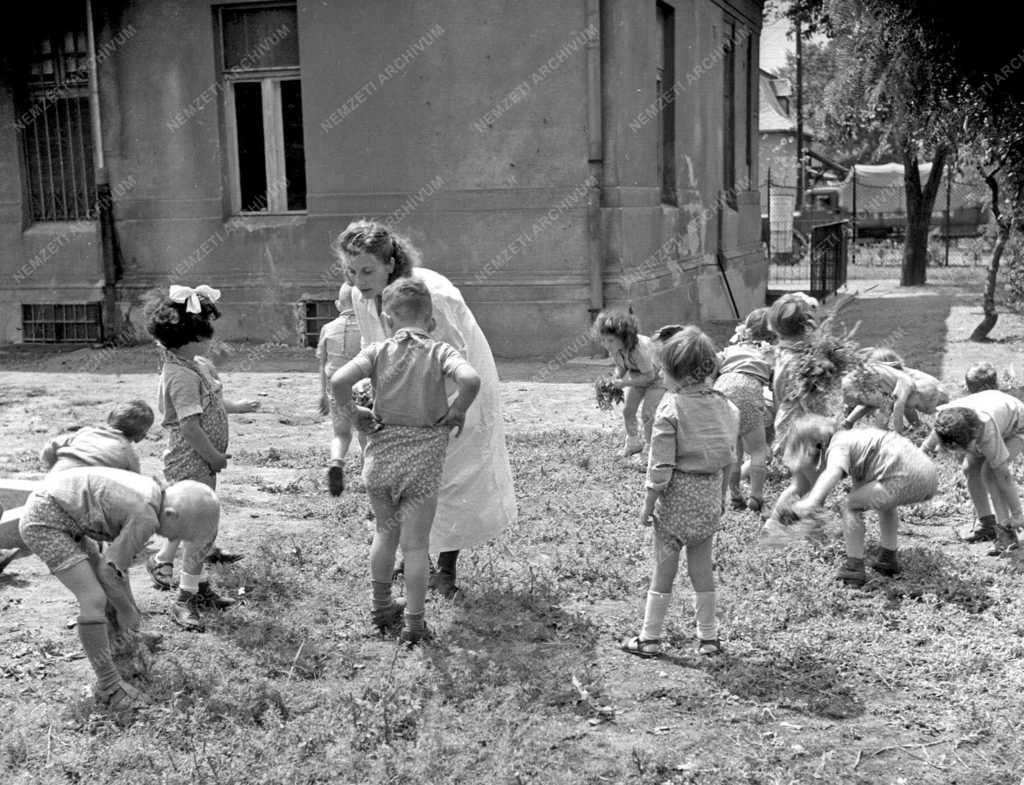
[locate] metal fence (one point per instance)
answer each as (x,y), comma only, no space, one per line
(816,265)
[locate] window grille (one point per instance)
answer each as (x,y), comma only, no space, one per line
(61,323)
(318,313)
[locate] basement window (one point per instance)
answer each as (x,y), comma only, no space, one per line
(318,313)
(61,323)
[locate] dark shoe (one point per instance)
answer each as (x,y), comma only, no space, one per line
(185,612)
(217,556)
(852,572)
(981,534)
(738,503)
(411,638)
(335,479)
(754,504)
(444,584)
(391,616)
(886,563)
(1006,541)
(162,574)
(208,598)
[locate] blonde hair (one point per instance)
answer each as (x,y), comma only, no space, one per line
(810,433)
(689,356)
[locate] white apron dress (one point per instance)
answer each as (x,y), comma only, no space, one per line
(477,500)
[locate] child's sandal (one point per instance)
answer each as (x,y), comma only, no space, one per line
(161,572)
(709,648)
(122,697)
(642,647)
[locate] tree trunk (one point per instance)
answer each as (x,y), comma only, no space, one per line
(920,202)
(988,302)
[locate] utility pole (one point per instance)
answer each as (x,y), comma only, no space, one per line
(799,118)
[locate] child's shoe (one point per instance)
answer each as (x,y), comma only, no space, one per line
(632,446)
(886,563)
(709,648)
(1006,541)
(412,637)
(208,598)
(122,697)
(754,504)
(738,503)
(185,612)
(335,478)
(641,647)
(162,573)
(984,532)
(219,556)
(389,616)
(852,573)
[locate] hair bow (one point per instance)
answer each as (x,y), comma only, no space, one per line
(183,294)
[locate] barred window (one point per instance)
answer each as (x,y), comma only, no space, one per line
(61,323)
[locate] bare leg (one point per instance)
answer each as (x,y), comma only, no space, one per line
(417,516)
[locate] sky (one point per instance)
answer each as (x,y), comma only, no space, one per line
(775,44)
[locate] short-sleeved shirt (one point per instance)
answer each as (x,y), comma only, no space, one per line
(187,389)
(640,361)
(694,431)
(408,374)
(745,358)
(864,454)
(1002,418)
(98,445)
(339,342)
(111,505)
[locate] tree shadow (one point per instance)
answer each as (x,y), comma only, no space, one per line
(13,581)
(798,678)
(928,574)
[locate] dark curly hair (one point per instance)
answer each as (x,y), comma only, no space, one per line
(619,324)
(367,236)
(957,426)
(172,325)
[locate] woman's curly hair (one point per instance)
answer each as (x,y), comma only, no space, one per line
(367,236)
(172,325)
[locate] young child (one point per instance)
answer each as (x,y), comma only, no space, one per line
(195,415)
(693,442)
(636,373)
(69,510)
(981,376)
(405,453)
(745,369)
(793,319)
(339,343)
(987,427)
(102,445)
(886,471)
(885,386)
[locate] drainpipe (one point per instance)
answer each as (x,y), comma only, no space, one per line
(595,160)
(104,217)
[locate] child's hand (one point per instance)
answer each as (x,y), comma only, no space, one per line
(365,420)
(219,463)
(802,508)
(325,406)
(649,518)
(453,418)
(246,405)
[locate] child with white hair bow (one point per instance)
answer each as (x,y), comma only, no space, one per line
(194,412)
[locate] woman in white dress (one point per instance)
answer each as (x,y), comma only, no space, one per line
(477,500)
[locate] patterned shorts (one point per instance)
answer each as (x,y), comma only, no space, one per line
(53,535)
(404,462)
(746,392)
(914,480)
(691,507)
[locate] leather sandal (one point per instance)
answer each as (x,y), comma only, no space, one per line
(709,648)
(642,647)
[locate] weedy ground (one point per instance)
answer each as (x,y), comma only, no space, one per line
(915,679)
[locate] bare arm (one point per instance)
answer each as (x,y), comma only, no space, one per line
(828,480)
(468,382)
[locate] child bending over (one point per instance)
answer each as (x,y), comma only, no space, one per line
(891,390)
(693,442)
(745,369)
(987,428)
(981,376)
(404,457)
(102,445)
(636,373)
(886,470)
(195,415)
(69,510)
(339,343)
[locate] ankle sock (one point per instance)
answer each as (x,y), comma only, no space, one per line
(654,615)
(704,610)
(95,641)
(381,594)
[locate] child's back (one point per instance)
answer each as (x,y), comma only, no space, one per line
(339,341)
(99,445)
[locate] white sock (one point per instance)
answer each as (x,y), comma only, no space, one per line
(704,608)
(654,615)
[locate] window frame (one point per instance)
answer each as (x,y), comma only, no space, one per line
(269,79)
(665,80)
(729,114)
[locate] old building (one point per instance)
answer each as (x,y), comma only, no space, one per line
(550,158)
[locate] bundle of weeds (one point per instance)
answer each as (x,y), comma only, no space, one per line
(793,529)
(607,393)
(362,394)
(828,354)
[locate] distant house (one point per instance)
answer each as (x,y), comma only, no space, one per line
(777,134)
(551,159)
